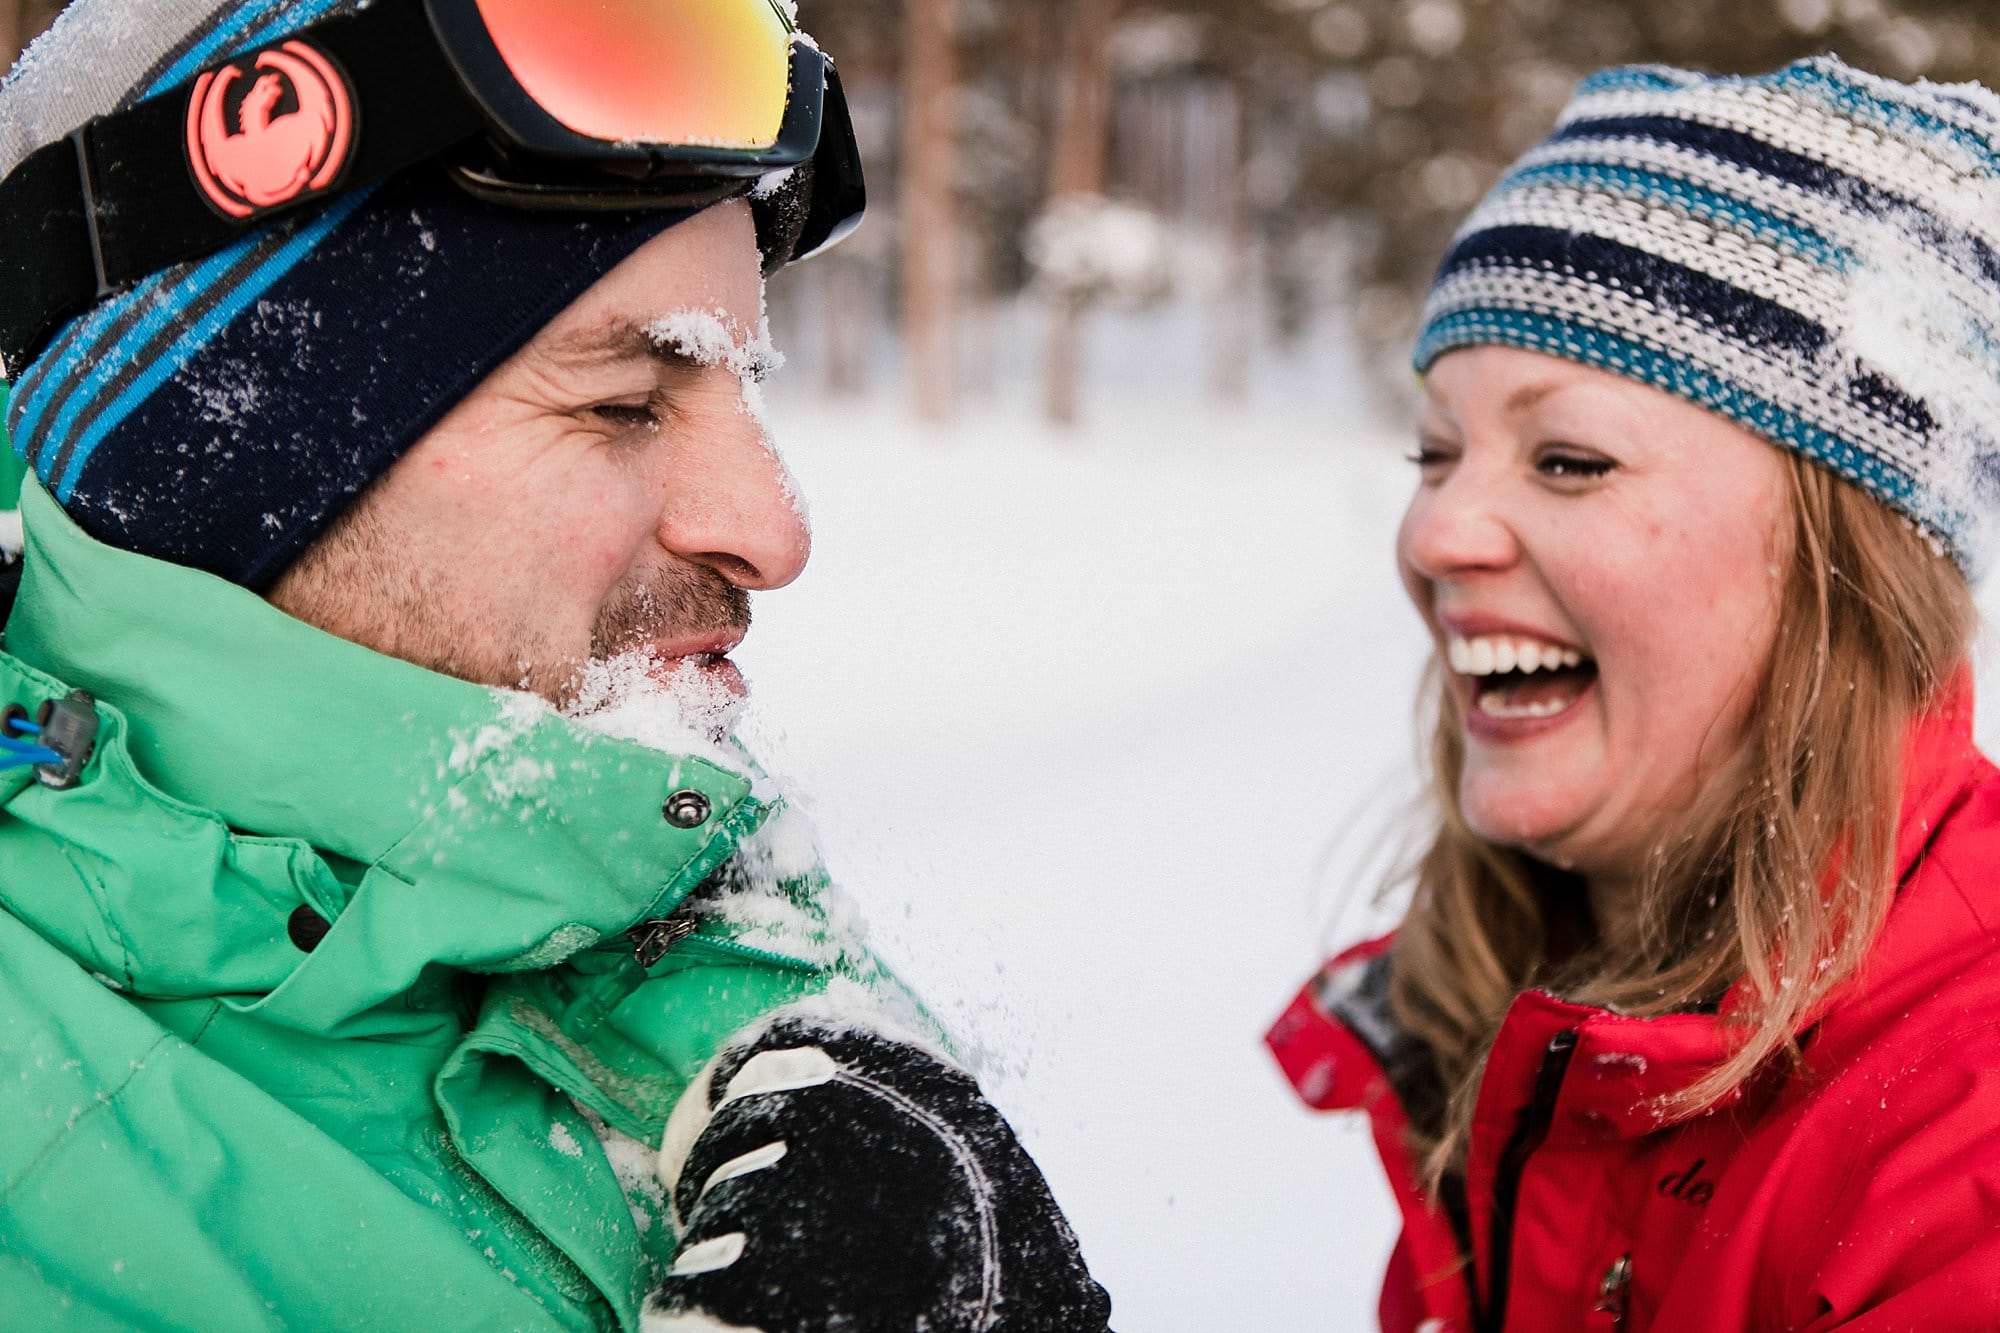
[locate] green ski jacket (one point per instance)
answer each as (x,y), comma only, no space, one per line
(216,1112)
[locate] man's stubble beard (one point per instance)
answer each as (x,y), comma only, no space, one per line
(354,583)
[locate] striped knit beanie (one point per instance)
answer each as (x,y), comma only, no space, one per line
(1814,254)
(222,413)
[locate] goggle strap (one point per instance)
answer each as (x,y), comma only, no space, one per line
(118,198)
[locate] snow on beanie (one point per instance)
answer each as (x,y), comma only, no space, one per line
(1814,253)
(222,413)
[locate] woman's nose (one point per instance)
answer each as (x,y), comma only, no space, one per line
(731,505)
(1455,527)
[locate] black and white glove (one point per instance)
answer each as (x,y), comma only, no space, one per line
(835,1178)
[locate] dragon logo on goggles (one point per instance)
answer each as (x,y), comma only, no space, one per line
(269,129)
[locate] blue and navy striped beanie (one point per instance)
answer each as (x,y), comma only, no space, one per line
(1814,254)
(222,413)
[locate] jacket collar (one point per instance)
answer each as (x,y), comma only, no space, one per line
(248,739)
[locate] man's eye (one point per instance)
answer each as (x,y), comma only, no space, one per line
(1573,466)
(628,414)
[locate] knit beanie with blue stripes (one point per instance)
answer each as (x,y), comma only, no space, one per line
(1814,254)
(222,413)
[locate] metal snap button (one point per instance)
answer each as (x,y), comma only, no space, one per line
(686,809)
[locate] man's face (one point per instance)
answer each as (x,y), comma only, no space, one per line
(606,491)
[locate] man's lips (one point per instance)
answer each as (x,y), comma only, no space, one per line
(707,654)
(714,643)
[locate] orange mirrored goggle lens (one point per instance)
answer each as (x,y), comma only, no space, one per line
(691,73)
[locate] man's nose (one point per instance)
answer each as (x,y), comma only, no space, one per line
(1456,527)
(731,505)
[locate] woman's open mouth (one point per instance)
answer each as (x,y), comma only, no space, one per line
(1515,684)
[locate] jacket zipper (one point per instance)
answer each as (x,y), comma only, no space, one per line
(1614,1292)
(1529,1132)
(653,940)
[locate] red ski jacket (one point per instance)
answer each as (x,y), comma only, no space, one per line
(1861,1193)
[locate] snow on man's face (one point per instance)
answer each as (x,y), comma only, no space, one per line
(1598,562)
(608,490)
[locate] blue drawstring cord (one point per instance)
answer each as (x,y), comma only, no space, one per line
(58,743)
(19,756)
(13,754)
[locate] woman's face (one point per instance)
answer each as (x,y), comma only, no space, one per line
(1599,563)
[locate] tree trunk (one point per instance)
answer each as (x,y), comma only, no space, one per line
(1077,161)
(1065,359)
(930,211)
(1232,322)
(846,324)
(982,342)
(1083,101)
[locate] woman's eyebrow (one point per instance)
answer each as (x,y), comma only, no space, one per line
(1528,395)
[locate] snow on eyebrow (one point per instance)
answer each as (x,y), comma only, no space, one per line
(706,337)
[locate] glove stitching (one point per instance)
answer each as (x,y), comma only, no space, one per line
(968,1163)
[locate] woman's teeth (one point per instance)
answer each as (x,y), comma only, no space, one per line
(1491,654)
(1495,704)
(1519,678)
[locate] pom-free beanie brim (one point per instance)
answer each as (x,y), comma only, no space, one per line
(225,420)
(1814,254)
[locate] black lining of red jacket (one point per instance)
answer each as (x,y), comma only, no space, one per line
(1358,997)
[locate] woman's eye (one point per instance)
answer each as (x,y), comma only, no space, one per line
(1424,456)
(1573,466)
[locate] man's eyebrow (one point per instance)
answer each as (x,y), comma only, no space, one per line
(623,340)
(618,340)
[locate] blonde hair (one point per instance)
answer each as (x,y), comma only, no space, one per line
(1781,873)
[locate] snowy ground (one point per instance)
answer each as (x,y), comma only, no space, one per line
(1079,719)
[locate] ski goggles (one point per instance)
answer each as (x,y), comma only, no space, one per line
(571,105)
